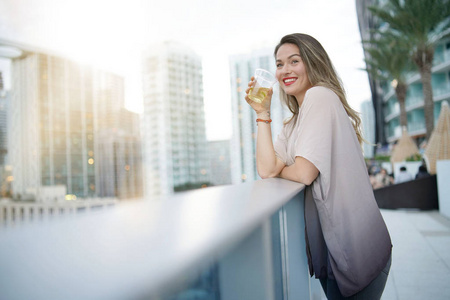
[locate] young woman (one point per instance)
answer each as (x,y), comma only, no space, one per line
(348,244)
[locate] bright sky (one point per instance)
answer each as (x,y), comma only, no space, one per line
(111,34)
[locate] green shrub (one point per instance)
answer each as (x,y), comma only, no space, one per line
(382,158)
(415,157)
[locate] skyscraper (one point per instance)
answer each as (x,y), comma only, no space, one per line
(220,164)
(119,151)
(243,141)
(60,110)
(52,125)
(4,167)
(367,23)
(173,129)
(368,127)
(3,123)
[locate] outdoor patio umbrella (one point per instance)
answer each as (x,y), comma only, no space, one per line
(439,144)
(404,148)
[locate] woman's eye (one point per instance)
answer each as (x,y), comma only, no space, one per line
(279,65)
(295,61)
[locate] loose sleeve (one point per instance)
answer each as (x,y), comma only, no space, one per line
(316,131)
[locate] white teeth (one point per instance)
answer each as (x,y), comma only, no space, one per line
(289,80)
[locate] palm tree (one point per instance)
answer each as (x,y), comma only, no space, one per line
(389,60)
(423,23)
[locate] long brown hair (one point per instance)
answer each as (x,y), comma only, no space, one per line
(320,72)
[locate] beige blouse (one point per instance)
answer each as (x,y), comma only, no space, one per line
(346,236)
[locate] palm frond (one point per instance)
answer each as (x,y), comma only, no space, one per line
(424,22)
(389,56)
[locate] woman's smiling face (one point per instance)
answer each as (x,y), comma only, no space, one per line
(291,73)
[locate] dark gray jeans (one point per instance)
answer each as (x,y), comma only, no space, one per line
(371,292)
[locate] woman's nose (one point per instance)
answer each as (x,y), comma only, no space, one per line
(286,69)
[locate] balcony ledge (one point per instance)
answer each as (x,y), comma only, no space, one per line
(137,248)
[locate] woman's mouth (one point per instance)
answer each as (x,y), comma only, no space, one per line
(289,81)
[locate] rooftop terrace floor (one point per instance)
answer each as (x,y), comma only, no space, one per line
(421,255)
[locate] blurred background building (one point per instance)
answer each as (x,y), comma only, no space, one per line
(243,141)
(440,81)
(3,123)
(368,127)
(59,112)
(220,164)
(386,107)
(366,24)
(173,128)
(5,168)
(119,153)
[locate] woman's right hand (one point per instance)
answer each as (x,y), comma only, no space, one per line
(264,106)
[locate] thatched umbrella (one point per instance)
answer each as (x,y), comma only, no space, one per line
(405,147)
(439,145)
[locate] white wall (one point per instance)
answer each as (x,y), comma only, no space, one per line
(443,175)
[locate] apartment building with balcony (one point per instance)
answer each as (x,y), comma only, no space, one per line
(440,81)
(387,111)
(173,128)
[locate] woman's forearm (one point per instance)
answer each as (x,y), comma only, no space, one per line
(267,163)
(290,173)
(302,171)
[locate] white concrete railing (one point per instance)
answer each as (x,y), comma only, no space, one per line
(252,232)
(16,213)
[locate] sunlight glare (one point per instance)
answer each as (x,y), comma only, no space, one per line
(99,32)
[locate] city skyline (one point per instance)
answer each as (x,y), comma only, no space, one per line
(113,34)
(70,133)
